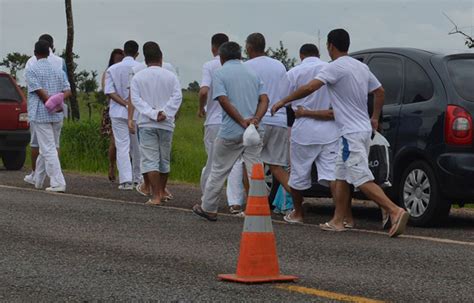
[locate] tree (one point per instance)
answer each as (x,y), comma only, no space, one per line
(70,60)
(193,86)
(85,80)
(281,54)
(15,62)
(469,41)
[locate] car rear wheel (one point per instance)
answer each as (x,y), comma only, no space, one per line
(14,160)
(419,194)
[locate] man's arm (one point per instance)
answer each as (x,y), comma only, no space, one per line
(325,115)
(232,111)
(301,92)
(173,104)
(110,92)
(43,95)
(141,105)
(379,99)
(131,111)
(262,108)
(118,99)
(203,94)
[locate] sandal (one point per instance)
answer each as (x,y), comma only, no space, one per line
(200,212)
(140,190)
(289,219)
(398,227)
(150,202)
(329,227)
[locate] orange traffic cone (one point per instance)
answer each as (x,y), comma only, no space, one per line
(258,261)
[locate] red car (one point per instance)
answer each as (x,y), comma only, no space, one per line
(14,127)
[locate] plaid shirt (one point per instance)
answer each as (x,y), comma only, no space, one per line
(42,75)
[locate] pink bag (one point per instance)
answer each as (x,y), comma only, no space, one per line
(55,103)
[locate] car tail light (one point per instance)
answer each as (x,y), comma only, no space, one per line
(458,126)
(23,120)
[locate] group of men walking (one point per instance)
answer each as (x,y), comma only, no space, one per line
(332,127)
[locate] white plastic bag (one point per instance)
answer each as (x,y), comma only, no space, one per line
(251,136)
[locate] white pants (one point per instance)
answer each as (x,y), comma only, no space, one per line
(48,160)
(226,154)
(127,146)
(235,188)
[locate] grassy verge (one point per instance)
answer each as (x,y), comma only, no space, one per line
(84,149)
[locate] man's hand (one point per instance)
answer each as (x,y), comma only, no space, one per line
(131,126)
(254,120)
(161,116)
(375,124)
(276,107)
(201,113)
(299,112)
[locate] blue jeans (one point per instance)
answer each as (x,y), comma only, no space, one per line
(155,149)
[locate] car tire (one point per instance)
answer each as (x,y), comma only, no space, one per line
(419,194)
(14,160)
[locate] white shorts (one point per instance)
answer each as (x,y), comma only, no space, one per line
(275,145)
(34,138)
(302,158)
(352,163)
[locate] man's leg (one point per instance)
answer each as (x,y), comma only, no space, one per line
(235,187)
(341,197)
(150,161)
(122,144)
(135,154)
(165,139)
(376,194)
(275,153)
(225,155)
(210,135)
(46,139)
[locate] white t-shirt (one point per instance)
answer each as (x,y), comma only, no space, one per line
(213,108)
(272,72)
(165,65)
(56,61)
(156,89)
(349,82)
(306,131)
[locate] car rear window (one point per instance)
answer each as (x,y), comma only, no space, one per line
(8,91)
(461,72)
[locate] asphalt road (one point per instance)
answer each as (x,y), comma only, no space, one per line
(96,243)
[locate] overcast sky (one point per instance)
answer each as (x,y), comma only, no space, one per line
(183,28)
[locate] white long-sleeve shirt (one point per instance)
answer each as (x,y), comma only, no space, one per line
(156,89)
(117,80)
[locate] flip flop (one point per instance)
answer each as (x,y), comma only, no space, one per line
(400,223)
(200,212)
(348,225)
(288,218)
(385,220)
(150,202)
(329,227)
(140,191)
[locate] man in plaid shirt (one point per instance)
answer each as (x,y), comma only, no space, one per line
(43,82)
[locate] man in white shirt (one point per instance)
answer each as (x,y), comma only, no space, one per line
(156,95)
(275,140)
(144,188)
(314,134)
(59,64)
(349,82)
(212,112)
(117,88)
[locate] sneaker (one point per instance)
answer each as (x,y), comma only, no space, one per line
(56,189)
(30,178)
(126,186)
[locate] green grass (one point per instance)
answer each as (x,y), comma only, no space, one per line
(84,149)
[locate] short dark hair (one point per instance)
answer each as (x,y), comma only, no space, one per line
(218,39)
(309,50)
(340,39)
(42,48)
(130,48)
(230,51)
(152,52)
(48,38)
(256,42)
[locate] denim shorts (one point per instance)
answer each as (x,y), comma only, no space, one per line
(155,149)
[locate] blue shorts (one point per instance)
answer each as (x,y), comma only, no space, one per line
(155,150)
